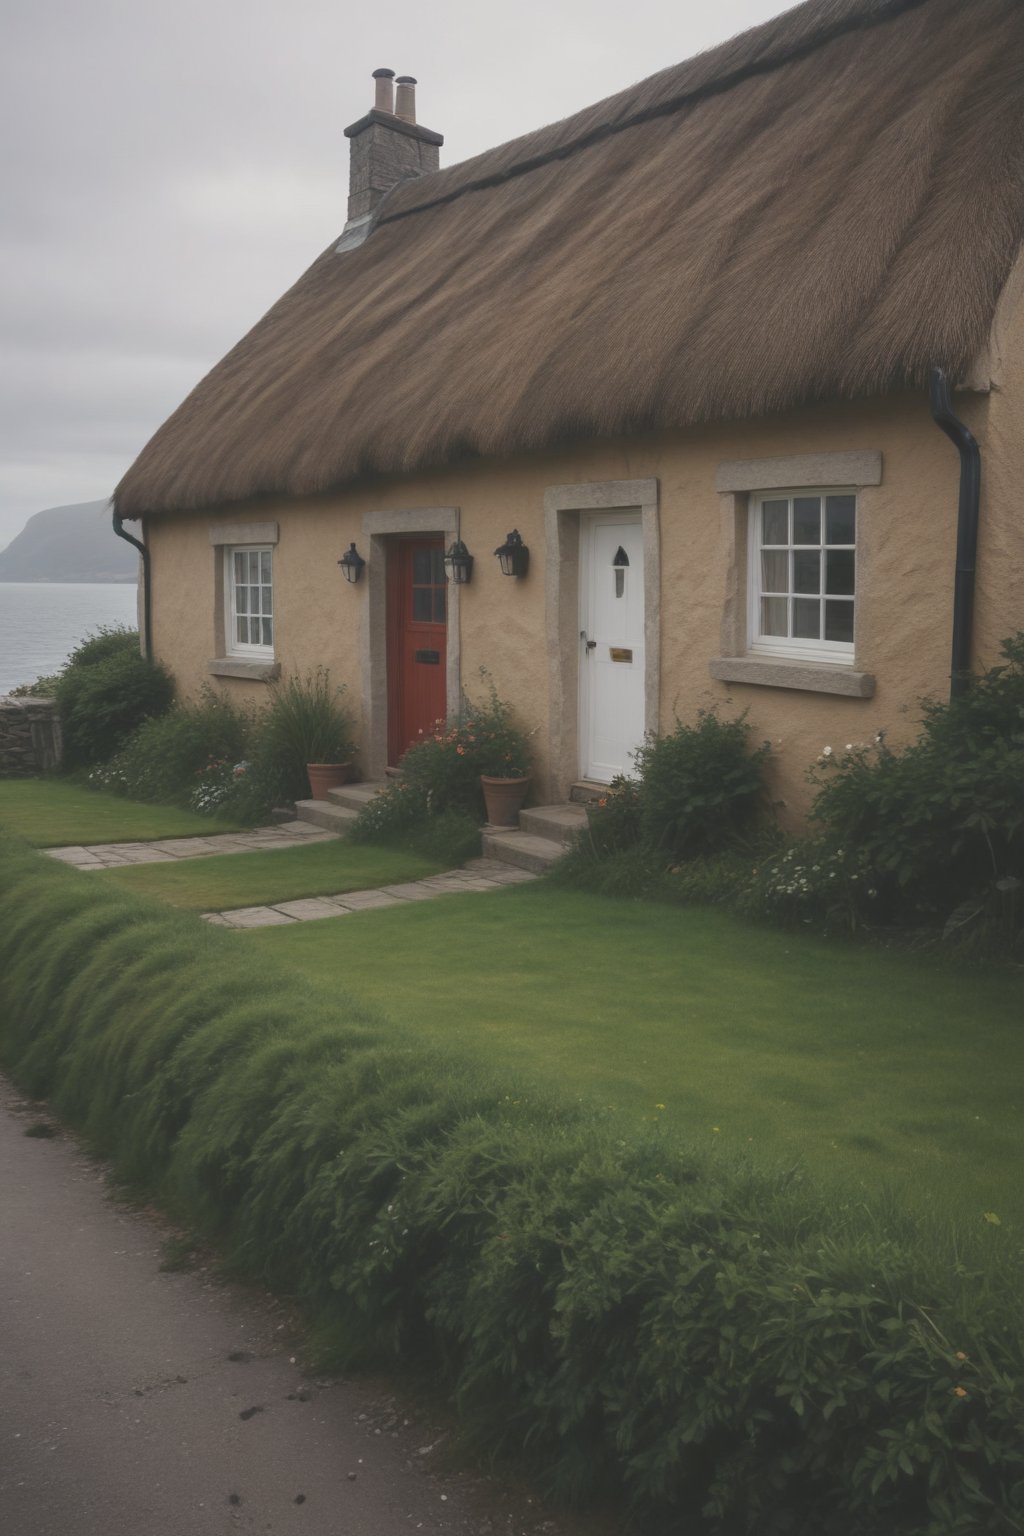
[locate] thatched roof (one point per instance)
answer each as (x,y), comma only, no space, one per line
(825,206)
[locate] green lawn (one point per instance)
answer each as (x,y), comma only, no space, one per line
(256,879)
(862,1064)
(51,813)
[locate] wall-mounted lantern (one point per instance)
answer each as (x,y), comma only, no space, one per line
(513,555)
(458,564)
(352,563)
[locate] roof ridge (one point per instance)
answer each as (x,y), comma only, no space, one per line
(872,14)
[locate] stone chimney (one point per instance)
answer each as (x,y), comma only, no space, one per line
(388,146)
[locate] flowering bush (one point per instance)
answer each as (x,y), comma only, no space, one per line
(938,825)
(218,782)
(814,882)
(929,836)
(441,770)
(165,758)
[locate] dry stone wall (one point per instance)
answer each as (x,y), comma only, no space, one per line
(30,737)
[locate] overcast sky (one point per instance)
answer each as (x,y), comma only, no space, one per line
(169,167)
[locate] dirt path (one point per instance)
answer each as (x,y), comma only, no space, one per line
(140,1403)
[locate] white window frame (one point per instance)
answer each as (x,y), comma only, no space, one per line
(234,646)
(837,652)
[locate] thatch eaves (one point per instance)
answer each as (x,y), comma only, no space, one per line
(823,207)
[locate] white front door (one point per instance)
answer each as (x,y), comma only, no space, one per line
(611,643)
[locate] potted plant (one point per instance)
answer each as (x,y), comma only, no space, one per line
(308,733)
(501,750)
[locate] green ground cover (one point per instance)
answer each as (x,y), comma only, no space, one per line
(866,1066)
(51,813)
(647,1318)
(255,879)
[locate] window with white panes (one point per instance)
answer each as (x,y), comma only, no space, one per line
(803,551)
(249,601)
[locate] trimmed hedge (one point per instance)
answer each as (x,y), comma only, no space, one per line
(727,1347)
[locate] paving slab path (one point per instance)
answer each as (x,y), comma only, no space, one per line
(290,834)
(140,1403)
(477,875)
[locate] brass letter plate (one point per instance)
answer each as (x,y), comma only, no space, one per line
(619,653)
(432,658)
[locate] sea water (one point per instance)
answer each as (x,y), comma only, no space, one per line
(42,622)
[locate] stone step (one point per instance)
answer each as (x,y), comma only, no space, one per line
(585,791)
(522,849)
(321,813)
(560,823)
(355,796)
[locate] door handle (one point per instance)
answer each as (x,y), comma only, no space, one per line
(590,644)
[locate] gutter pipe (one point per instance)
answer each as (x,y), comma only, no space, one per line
(966,530)
(147,627)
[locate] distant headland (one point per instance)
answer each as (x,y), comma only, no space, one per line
(74,543)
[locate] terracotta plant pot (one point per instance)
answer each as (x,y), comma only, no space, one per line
(325,776)
(504,799)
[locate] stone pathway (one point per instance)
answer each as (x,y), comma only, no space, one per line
(477,875)
(291,834)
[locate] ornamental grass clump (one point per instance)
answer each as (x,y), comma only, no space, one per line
(306,721)
(721,1347)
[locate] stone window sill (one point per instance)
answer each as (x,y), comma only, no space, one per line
(773,672)
(240,666)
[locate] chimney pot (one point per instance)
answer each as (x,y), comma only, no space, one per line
(405,105)
(384,96)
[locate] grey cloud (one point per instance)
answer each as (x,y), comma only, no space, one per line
(170,167)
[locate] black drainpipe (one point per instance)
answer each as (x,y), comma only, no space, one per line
(147,626)
(966,529)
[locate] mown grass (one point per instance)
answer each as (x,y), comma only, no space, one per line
(51,813)
(868,1066)
(254,879)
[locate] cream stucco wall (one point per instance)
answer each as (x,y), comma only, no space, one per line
(905,569)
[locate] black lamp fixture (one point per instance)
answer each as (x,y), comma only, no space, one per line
(513,555)
(458,564)
(352,563)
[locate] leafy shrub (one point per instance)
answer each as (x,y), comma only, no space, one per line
(698,793)
(105,691)
(729,1348)
(701,786)
(929,834)
(168,759)
(44,687)
(305,722)
(402,814)
(390,814)
(106,641)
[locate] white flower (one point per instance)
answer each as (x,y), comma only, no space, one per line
(849,746)
(826,751)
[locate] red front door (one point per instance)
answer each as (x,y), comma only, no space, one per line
(417,634)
